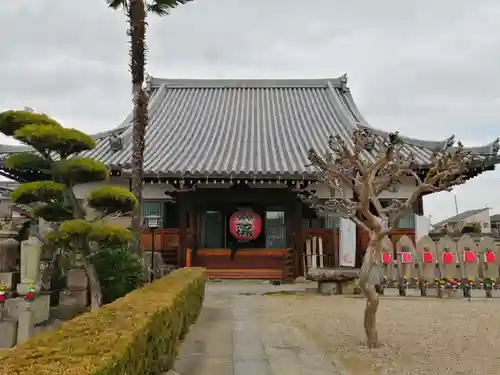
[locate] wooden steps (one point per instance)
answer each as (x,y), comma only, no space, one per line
(245,273)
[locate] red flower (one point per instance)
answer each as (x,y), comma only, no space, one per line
(30,296)
(2,298)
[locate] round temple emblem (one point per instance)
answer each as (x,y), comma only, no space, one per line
(245,225)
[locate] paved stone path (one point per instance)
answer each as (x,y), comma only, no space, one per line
(230,339)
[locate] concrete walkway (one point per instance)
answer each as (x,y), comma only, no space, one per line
(230,339)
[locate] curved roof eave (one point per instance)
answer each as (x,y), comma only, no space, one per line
(490,148)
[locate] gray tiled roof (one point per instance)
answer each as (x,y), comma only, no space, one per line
(459,217)
(209,128)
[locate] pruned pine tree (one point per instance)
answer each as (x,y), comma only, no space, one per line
(54,169)
(136,11)
(357,180)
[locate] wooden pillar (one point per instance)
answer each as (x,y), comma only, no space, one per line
(297,237)
(181,253)
(419,206)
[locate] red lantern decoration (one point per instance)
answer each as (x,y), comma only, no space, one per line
(2,298)
(245,225)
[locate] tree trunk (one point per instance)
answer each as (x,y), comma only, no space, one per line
(137,31)
(94,285)
(368,289)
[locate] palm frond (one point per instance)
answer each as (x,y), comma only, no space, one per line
(163,7)
(115,4)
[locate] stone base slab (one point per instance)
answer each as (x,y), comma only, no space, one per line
(77,279)
(74,298)
(332,274)
(451,293)
(8,333)
(328,288)
(41,308)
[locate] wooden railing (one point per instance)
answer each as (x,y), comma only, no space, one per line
(166,242)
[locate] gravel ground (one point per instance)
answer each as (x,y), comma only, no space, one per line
(419,335)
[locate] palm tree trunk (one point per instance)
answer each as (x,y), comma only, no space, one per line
(137,31)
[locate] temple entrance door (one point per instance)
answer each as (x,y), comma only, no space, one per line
(320,248)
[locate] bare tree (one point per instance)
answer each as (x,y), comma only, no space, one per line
(369,166)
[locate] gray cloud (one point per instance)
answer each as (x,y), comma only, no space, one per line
(428,68)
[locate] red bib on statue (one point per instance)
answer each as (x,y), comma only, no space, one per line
(245,225)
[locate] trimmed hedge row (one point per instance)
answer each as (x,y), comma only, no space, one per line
(135,335)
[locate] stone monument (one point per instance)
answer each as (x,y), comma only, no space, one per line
(31,251)
(9,253)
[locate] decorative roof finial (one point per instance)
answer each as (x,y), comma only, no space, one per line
(115,143)
(343,83)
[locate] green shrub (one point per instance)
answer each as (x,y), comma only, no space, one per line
(135,335)
(64,141)
(119,271)
(53,212)
(110,235)
(79,170)
(11,121)
(38,191)
(27,161)
(112,199)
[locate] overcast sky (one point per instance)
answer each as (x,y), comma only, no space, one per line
(428,68)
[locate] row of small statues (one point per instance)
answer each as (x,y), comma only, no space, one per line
(444,265)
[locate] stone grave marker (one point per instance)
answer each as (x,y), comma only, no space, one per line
(406,256)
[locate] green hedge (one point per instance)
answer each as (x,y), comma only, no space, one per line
(135,335)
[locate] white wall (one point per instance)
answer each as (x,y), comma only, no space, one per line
(150,191)
(422,226)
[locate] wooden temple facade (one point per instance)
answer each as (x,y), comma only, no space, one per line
(196,232)
(216,147)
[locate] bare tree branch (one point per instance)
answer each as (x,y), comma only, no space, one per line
(370,173)
(370,165)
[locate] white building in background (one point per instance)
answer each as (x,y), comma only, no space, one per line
(454,224)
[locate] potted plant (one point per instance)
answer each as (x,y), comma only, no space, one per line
(3,296)
(423,285)
(403,286)
(489,285)
(383,284)
(3,292)
(466,286)
(30,296)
